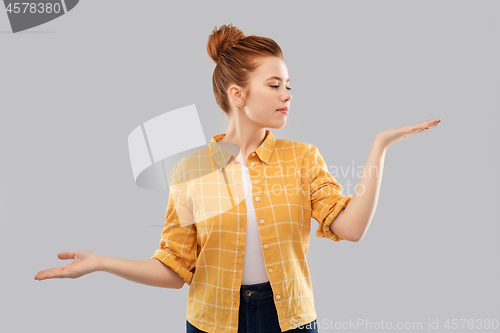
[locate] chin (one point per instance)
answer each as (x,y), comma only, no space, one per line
(277,126)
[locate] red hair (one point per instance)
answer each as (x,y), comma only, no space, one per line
(237,57)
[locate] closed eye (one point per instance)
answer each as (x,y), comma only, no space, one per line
(278,87)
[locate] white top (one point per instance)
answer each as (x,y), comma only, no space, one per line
(254,267)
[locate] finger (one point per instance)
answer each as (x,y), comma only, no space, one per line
(435,123)
(431,122)
(417,128)
(426,124)
(42,275)
(66,255)
(57,272)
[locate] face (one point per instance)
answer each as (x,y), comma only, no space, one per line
(268,91)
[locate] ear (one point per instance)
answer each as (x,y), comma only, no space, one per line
(236,94)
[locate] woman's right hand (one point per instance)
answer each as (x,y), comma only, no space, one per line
(84,262)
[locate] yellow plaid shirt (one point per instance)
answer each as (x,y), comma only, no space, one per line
(203,238)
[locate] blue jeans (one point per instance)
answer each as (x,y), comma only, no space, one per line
(258,312)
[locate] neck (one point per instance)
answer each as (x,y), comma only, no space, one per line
(248,138)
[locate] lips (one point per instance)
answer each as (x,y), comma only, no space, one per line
(283,109)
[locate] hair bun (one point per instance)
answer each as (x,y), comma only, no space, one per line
(221,39)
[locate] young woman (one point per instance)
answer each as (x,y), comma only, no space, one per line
(246,263)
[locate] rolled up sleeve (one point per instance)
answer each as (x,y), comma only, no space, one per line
(178,245)
(327,199)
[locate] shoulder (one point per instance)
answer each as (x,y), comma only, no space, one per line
(188,164)
(298,147)
(282,143)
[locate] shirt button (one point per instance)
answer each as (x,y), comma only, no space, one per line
(261,221)
(265,246)
(253,154)
(252,164)
(277,296)
(270,270)
(256,182)
(257,199)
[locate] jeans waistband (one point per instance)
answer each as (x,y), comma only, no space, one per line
(252,292)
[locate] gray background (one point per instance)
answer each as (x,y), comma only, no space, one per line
(73,89)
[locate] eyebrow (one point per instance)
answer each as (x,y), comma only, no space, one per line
(277,78)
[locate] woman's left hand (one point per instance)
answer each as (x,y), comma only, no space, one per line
(393,135)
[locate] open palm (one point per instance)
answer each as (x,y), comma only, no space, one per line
(393,135)
(84,262)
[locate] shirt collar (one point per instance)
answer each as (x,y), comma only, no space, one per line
(222,158)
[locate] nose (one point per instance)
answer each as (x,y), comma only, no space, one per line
(288,96)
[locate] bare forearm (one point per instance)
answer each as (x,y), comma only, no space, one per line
(355,219)
(150,271)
